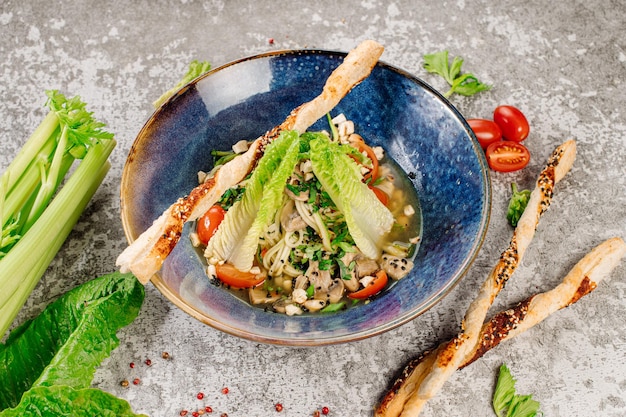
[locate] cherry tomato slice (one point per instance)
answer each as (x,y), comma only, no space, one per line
(363,147)
(512,123)
(507,156)
(373,288)
(230,275)
(208,223)
(486,131)
(380,194)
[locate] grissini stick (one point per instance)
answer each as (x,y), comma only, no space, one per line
(580,281)
(429,379)
(146,254)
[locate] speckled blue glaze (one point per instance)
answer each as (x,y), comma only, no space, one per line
(416,126)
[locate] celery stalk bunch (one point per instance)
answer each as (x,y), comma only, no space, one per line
(38,204)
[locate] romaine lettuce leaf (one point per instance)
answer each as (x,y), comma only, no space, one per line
(367,218)
(70,338)
(239,219)
(271,201)
(61,400)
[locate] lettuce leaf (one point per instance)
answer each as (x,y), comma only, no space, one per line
(241,216)
(70,338)
(271,202)
(367,218)
(66,401)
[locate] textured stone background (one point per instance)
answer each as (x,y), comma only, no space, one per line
(563,63)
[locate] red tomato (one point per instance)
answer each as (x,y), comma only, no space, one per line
(363,147)
(507,156)
(230,275)
(374,287)
(207,224)
(512,123)
(380,194)
(486,131)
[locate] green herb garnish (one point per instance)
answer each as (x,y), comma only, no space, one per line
(196,68)
(506,403)
(517,204)
(465,84)
(333,307)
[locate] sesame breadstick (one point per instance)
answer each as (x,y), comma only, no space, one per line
(450,356)
(580,281)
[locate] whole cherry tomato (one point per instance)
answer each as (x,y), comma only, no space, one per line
(486,131)
(507,156)
(207,224)
(512,123)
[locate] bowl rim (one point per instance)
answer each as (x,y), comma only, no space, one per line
(172,297)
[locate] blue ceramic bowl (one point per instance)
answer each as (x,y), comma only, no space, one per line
(416,126)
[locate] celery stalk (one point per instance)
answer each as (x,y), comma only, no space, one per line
(31,148)
(18,272)
(23,180)
(36,213)
(33,177)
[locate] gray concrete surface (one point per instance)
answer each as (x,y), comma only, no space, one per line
(563,63)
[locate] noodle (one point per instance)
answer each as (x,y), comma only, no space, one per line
(303,210)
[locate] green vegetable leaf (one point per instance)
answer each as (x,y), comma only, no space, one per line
(467,85)
(243,256)
(517,204)
(506,403)
(437,63)
(228,239)
(464,84)
(67,401)
(505,391)
(523,406)
(196,69)
(83,129)
(70,338)
(367,218)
